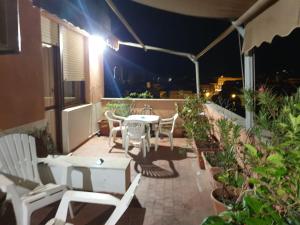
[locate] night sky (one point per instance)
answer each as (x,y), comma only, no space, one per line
(176,32)
(191,34)
(181,33)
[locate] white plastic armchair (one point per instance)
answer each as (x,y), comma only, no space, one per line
(21,180)
(95,198)
(112,118)
(135,130)
(166,127)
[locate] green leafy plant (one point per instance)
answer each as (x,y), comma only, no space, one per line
(145,94)
(44,142)
(248,99)
(196,125)
(120,108)
(229,139)
(233,178)
(251,211)
(275,169)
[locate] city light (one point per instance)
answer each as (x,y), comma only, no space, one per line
(233,95)
(207,94)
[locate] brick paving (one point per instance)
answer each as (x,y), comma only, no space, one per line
(173,190)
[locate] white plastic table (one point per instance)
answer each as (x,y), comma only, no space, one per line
(149,119)
(144,118)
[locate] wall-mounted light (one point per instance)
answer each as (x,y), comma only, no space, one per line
(97,44)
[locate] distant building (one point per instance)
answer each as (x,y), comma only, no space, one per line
(207,89)
(222,79)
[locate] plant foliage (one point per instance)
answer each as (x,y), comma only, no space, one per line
(195,123)
(275,167)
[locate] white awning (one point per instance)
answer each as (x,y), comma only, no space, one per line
(279,19)
(202,8)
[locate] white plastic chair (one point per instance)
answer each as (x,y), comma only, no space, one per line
(96,198)
(166,127)
(147,110)
(136,131)
(111,118)
(21,180)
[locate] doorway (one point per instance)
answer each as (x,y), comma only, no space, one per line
(52,101)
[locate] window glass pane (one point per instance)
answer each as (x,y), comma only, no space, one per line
(48,73)
(73,92)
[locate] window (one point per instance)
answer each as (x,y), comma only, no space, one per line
(73,93)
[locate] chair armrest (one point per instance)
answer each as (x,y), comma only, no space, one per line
(119,117)
(167,120)
(85,197)
(5,183)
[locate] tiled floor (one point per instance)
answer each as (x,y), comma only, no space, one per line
(172,190)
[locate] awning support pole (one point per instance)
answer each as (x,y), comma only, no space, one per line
(197,77)
(249,85)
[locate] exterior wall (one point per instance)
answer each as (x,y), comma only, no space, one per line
(162,107)
(95,80)
(21,81)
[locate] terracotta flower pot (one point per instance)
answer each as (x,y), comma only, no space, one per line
(230,193)
(212,171)
(218,206)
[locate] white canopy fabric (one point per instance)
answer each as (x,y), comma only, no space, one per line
(279,19)
(202,8)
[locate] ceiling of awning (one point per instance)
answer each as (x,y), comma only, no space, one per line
(202,8)
(278,20)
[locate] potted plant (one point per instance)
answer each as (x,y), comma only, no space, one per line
(44,142)
(225,158)
(195,123)
(227,189)
(275,170)
(120,108)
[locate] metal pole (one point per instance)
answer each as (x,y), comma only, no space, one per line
(158,49)
(197,77)
(249,85)
(124,21)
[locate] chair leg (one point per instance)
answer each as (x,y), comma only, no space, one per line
(26,216)
(171,141)
(123,139)
(156,140)
(115,136)
(144,148)
(109,139)
(71,210)
(126,145)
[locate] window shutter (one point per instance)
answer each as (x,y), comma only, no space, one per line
(49,31)
(73,55)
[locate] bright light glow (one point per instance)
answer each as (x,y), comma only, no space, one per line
(233,95)
(97,44)
(207,94)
